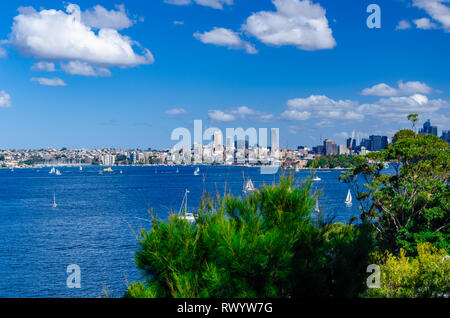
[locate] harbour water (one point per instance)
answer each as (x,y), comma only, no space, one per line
(96,214)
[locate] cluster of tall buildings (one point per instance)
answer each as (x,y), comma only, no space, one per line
(428,129)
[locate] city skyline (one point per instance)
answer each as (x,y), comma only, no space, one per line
(208,61)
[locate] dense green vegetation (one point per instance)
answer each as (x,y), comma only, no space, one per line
(263,245)
(270,244)
(411,205)
(426,275)
(331,162)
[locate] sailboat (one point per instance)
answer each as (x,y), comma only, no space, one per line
(348,200)
(54,200)
(178,171)
(317,206)
(57,172)
(297,169)
(80,168)
(52,171)
(249,187)
(197,172)
(316,179)
(184,214)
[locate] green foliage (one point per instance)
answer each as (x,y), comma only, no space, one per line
(410,205)
(426,275)
(264,245)
(332,161)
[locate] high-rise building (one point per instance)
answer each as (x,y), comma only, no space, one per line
(446,135)
(365,143)
(318,150)
(218,139)
(375,143)
(274,139)
(351,146)
(384,142)
(330,147)
(428,129)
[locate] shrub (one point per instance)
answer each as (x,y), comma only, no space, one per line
(426,275)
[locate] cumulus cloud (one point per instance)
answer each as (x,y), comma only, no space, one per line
(242,113)
(408,88)
(43,67)
(99,17)
(5,99)
(328,112)
(403,25)
(323,108)
(425,24)
(438,11)
(215,4)
(397,108)
(49,81)
(225,37)
(84,69)
(219,115)
(64,36)
(176,111)
(300,23)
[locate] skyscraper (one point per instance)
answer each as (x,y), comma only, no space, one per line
(218,139)
(428,129)
(446,135)
(330,147)
(274,139)
(351,146)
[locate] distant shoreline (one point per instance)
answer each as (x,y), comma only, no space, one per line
(164,165)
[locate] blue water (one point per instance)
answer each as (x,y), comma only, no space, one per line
(93,223)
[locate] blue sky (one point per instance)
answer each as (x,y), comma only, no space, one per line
(125,74)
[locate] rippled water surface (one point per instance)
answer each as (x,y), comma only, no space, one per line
(92,224)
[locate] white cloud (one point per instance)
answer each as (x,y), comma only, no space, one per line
(99,17)
(397,108)
(5,99)
(301,23)
(43,67)
(176,111)
(242,113)
(408,88)
(323,108)
(215,4)
(83,68)
(57,35)
(218,115)
(49,81)
(403,25)
(437,9)
(425,24)
(329,112)
(225,37)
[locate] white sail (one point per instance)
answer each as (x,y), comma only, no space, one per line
(197,172)
(317,206)
(348,200)
(57,172)
(249,187)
